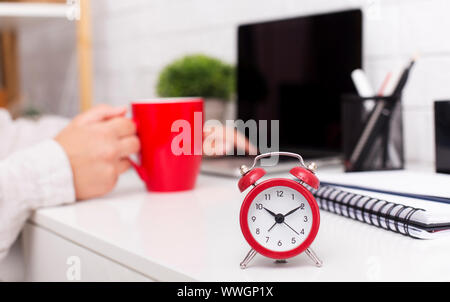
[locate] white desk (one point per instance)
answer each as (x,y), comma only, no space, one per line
(134,235)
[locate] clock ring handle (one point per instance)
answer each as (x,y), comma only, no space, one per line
(288,154)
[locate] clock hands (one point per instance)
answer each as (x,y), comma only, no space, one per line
(270,212)
(286,225)
(280,218)
(285,215)
(274,215)
(272,226)
(292,212)
(292,228)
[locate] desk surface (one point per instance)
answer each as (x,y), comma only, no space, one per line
(196,236)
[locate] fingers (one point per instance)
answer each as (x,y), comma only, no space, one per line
(216,141)
(128,146)
(101,113)
(123,165)
(122,127)
(224,139)
(241,142)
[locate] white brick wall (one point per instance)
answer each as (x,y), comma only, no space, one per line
(134,39)
(48,67)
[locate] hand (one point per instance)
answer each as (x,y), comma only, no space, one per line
(98,144)
(274,215)
(292,212)
(289,213)
(221,140)
(272,226)
(270,212)
(291,228)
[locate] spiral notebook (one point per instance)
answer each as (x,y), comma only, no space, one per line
(414,217)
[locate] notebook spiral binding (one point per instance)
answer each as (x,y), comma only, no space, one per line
(380,213)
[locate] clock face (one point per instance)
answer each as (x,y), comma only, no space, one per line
(280,218)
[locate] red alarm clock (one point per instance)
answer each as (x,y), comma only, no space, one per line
(279,217)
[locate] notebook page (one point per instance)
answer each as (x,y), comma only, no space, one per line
(375,211)
(406,182)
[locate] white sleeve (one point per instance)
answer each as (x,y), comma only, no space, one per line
(22,133)
(34,177)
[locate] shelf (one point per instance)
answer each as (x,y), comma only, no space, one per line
(14,14)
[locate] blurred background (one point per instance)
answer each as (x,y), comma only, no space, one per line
(132,41)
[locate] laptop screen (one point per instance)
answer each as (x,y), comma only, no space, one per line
(296,71)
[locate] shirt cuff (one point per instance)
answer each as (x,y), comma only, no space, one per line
(55,175)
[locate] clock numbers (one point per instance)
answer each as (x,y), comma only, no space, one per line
(280,218)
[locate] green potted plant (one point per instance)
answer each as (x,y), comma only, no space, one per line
(200,75)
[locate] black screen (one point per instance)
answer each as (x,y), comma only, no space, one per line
(442,136)
(296,71)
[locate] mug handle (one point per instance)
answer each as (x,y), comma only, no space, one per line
(137,167)
(139,170)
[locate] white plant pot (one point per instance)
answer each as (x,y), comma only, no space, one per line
(215,109)
(230,110)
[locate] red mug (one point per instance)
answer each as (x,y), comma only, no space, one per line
(171,136)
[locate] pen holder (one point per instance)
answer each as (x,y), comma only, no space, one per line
(372,133)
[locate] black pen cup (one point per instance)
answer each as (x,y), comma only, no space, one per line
(372,137)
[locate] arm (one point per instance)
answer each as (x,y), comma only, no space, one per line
(21,133)
(83,161)
(35,177)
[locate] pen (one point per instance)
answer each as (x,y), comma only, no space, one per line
(378,119)
(404,78)
(369,129)
(363,87)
